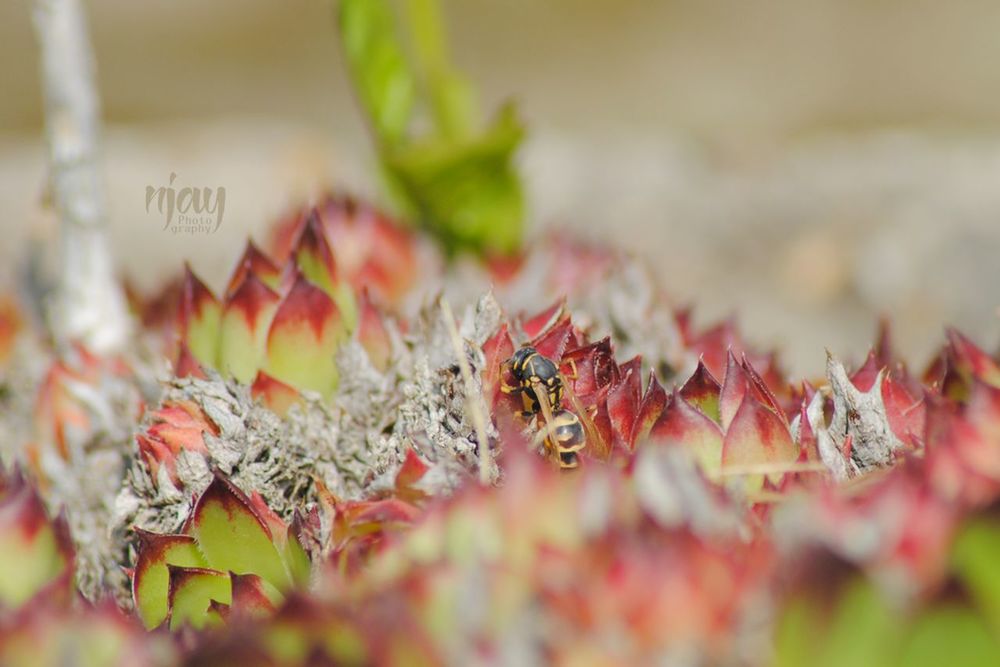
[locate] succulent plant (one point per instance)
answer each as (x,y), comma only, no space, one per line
(286,322)
(719,514)
(36,554)
(235,556)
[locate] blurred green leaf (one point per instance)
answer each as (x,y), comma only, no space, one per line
(976,561)
(375,56)
(461,185)
(467,193)
(451,97)
(949,636)
(860,632)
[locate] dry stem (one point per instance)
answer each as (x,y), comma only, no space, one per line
(88,305)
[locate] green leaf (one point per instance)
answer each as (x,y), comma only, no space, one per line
(461,186)
(451,98)
(303,340)
(151,581)
(862,631)
(949,636)
(975,559)
(233,538)
(468,193)
(28,561)
(378,65)
(192,591)
(297,561)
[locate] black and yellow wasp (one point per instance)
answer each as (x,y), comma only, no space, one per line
(530,369)
(564,433)
(564,439)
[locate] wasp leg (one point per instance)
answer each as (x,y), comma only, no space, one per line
(572,375)
(509,388)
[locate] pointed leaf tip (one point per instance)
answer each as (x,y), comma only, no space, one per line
(304,337)
(702,390)
(255,263)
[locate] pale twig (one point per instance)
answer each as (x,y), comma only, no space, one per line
(473,399)
(89,304)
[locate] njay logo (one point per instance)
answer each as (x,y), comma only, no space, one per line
(198,210)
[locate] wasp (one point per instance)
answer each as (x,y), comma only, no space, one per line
(565,438)
(531,369)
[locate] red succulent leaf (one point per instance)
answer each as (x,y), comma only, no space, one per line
(757,435)
(411,472)
(807,437)
(601,419)
(544,320)
(370,250)
(652,405)
(369,520)
(961,454)
(595,369)
(971,361)
(251,298)
(906,414)
(762,391)
(734,389)
(951,443)
(687,426)
(552,342)
(250,598)
(623,402)
(975,432)
(702,390)
(307,529)
(253,262)
(312,243)
(497,350)
(155,454)
(273,393)
(181,425)
(187,365)
(864,378)
(933,375)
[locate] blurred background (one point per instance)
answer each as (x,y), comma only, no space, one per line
(807,165)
